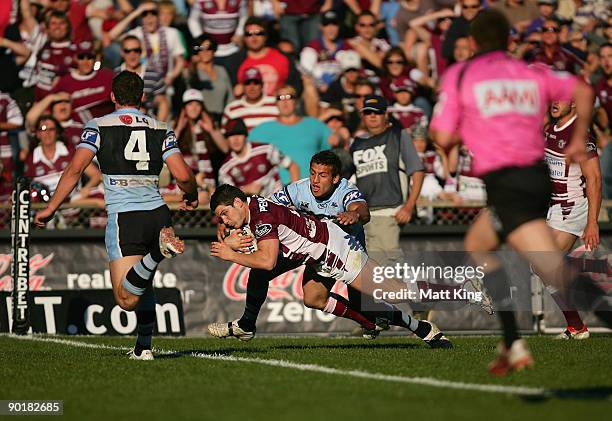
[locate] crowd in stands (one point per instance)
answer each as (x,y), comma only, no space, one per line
(268,80)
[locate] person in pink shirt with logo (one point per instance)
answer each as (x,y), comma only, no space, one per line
(496,106)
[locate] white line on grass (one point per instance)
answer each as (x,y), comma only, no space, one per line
(425,381)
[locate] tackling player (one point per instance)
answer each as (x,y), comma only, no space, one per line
(131,149)
(496,105)
(303,239)
(575,200)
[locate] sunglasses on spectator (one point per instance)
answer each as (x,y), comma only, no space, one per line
(372,112)
(255,34)
(361,96)
(252,82)
(470,6)
(367,25)
(395,62)
(45,128)
(548,29)
(150,12)
(132,50)
(205,47)
(285,97)
(85,56)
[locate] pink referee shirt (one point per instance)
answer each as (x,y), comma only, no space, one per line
(498,108)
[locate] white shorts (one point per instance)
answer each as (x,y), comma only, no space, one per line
(344,258)
(571,219)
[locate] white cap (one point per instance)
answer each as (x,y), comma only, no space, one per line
(192,95)
(349,59)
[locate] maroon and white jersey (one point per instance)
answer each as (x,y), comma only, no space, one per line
(322,63)
(221,24)
(409,115)
(90,94)
(603,90)
(568,183)
(258,164)
(561,60)
(54,60)
(48,171)
(432,163)
(9,113)
(302,238)
(252,114)
(198,158)
(72,131)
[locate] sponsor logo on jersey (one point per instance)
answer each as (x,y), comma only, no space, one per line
(89,136)
(170,142)
(282,198)
(261,230)
(352,196)
(370,161)
(505,96)
(304,205)
(126,119)
(262,204)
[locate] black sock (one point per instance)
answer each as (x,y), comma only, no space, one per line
(145,317)
(498,287)
(257,291)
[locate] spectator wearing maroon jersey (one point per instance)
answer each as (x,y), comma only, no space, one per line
(254,107)
(154,88)
(202,145)
(209,78)
(603,90)
(54,59)
(299,20)
(251,166)
(59,105)
(551,53)
(10,119)
(220,20)
(162,45)
(50,158)
(89,88)
(403,109)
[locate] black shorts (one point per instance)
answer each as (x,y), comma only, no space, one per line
(517,195)
(135,233)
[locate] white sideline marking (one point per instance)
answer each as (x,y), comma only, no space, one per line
(426,381)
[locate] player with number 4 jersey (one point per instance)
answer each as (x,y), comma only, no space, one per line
(131,149)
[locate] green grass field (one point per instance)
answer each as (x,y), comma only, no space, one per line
(307,379)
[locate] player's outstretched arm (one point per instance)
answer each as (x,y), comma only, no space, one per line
(70,177)
(355,212)
(184,178)
(264,258)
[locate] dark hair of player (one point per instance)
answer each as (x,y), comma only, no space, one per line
(127,88)
(327,158)
(490,29)
(225,195)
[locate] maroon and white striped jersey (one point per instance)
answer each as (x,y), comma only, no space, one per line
(9,113)
(252,114)
(90,94)
(54,60)
(198,158)
(259,164)
(302,238)
(568,183)
(207,18)
(409,115)
(45,170)
(72,131)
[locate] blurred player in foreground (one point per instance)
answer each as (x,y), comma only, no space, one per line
(575,201)
(131,149)
(496,105)
(287,239)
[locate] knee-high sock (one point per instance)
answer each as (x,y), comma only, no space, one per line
(572,317)
(140,276)
(339,306)
(145,316)
(257,291)
(497,285)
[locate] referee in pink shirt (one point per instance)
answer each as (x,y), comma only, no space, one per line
(496,105)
